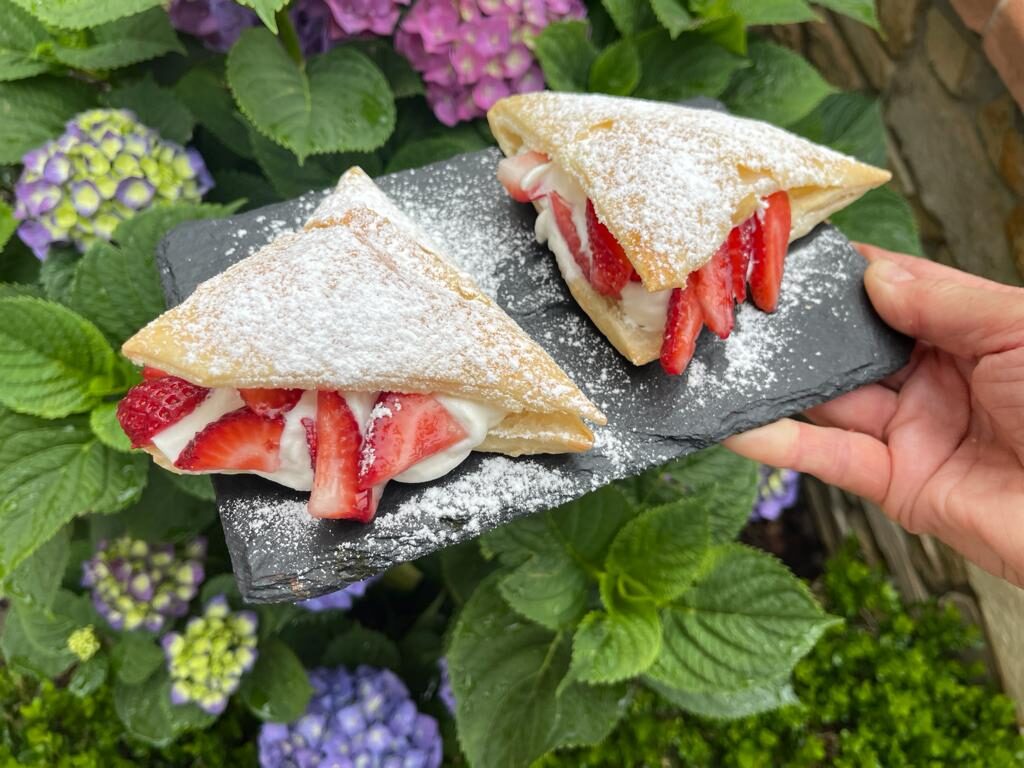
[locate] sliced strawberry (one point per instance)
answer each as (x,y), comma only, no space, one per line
(366,503)
(741,249)
(404,429)
(149,373)
(335,475)
(712,284)
(562,212)
(271,402)
(241,440)
(309,425)
(610,269)
(770,252)
(154,405)
(512,171)
(682,328)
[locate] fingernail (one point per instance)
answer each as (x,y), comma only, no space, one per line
(890,272)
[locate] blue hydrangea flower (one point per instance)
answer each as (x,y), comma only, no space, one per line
(777,490)
(103,169)
(364,719)
(137,585)
(341,600)
(207,661)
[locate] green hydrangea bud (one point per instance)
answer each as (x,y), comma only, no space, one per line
(84,643)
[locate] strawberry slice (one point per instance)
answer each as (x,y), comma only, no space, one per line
(712,284)
(367,501)
(610,269)
(512,171)
(149,373)
(154,405)
(271,402)
(562,212)
(241,440)
(403,430)
(681,330)
(770,252)
(335,475)
(741,249)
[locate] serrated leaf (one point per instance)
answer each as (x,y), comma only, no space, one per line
(104,424)
(36,110)
(405,81)
(729,705)
(674,16)
(359,645)
(37,579)
(340,102)
(79,14)
(630,16)
(136,656)
(157,107)
(145,709)
(565,54)
(290,179)
(851,123)
(745,623)
(123,42)
(658,554)
(616,70)
(613,646)
(52,472)
(861,10)
(728,31)
(53,362)
(197,486)
(266,9)
(9,290)
(8,224)
(883,218)
(780,87)
(20,34)
(35,639)
(761,12)
(89,676)
(674,70)
(203,91)
(56,273)
(277,689)
(433,149)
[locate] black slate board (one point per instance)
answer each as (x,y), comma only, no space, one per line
(824,340)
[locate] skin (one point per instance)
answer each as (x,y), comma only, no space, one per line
(939,446)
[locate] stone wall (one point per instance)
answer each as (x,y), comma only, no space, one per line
(950,74)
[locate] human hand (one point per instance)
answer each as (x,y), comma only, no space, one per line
(939,445)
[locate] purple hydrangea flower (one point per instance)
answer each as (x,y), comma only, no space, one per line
(444,687)
(777,490)
(218,23)
(473,52)
(366,718)
(105,168)
(341,600)
(136,585)
(207,661)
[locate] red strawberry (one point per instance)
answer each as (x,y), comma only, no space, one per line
(154,405)
(770,252)
(335,475)
(367,501)
(681,330)
(404,429)
(309,425)
(610,269)
(240,440)
(712,284)
(741,248)
(562,212)
(512,170)
(271,402)
(149,373)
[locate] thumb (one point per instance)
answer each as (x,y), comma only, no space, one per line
(966,320)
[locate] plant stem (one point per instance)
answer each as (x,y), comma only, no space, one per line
(289,38)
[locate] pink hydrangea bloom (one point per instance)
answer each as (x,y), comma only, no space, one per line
(472,52)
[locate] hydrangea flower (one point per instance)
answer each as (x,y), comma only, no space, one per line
(84,643)
(218,23)
(341,600)
(139,585)
(473,52)
(777,490)
(364,719)
(207,662)
(103,169)
(444,687)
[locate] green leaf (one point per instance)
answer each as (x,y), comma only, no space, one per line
(136,656)
(35,640)
(52,361)
(729,705)
(18,264)
(404,80)
(123,42)
(861,10)
(36,580)
(36,110)
(277,688)
(266,9)
(359,645)
(883,218)
(658,554)
(165,512)
(145,709)
(340,102)
(433,149)
(745,623)
(157,107)
(674,70)
(8,224)
(104,424)
(20,35)
(565,54)
(630,16)
(197,486)
(728,31)
(8,290)
(462,568)
(290,179)
(616,70)
(79,14)
(52,472)
(674,16)
(203,91)
(762,12)
(850,123)
(507,676)
(252,189)
(56,273)
(89,676)
(609,647)
(781,87)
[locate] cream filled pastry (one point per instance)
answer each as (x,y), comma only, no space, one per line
(661,218)
(343,357)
